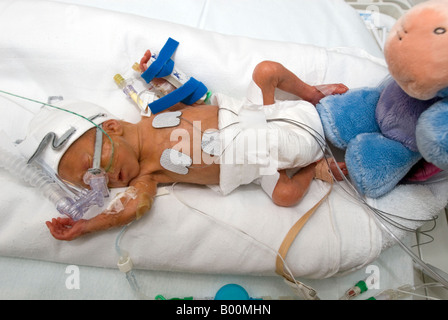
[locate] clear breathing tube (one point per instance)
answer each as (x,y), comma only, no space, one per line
(35,176)
(68,201)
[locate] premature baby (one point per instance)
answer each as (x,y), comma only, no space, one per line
(142,151)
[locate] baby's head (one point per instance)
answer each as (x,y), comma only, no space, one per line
(65,140)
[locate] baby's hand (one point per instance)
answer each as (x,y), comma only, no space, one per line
(66,228)
(145,60)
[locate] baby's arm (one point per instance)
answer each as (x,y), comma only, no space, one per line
(269,75)
(68,229)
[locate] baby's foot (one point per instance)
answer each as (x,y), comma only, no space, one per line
(334,88)
(324,90)
(328,173)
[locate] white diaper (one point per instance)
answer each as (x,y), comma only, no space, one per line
(255,144)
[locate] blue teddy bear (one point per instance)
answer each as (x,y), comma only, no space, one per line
(398,129)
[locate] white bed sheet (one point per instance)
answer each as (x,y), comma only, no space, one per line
(37,279)
(298,21)
(48,62)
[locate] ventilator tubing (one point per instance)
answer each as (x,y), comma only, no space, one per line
(37,177)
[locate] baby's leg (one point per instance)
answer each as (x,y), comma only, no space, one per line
(269,75)
(290,190)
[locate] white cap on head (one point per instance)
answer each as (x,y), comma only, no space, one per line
(52,131)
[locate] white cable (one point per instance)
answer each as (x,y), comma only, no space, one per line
(297,283)
(416,294)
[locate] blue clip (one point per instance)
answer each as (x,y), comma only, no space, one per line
(189,93)
(163,66)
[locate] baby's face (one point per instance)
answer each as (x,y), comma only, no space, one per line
(121,164)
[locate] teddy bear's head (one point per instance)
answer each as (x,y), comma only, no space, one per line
(416,50)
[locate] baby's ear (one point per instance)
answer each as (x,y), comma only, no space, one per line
(113,126)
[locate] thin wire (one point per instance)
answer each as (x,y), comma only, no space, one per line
(68,111)
(375,213)
(237,229)
(416,294)
(386,216)
(325,149)
(20,105)
(425,233)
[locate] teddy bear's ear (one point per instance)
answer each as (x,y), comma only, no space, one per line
(416,50)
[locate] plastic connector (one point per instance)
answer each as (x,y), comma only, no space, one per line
(125,264)
(97,179)
(128,89)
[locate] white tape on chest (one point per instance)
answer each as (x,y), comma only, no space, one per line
(175,161)
(167,120)
(211,143)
